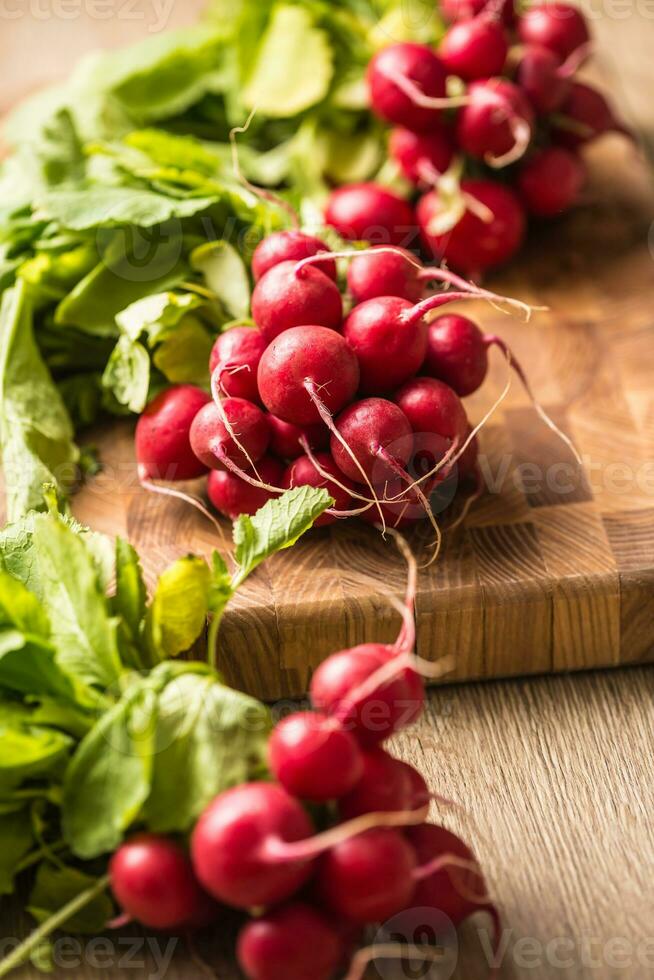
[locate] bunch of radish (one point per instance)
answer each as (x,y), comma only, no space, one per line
(311,895)
(360,393)
(487,130)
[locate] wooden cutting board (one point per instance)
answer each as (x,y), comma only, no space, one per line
(553,569)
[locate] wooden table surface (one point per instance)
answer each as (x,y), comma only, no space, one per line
(555,774)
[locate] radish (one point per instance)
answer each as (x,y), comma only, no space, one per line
(557,26)
(379,438)
(407,85)
(430,406)
(153,882)
(467,461)
(369,212)
(315,758)
(291,295)
(543,79)
(384,785)
(478,240)
(285,437)
(232,496)
(296,942)
(419,794)
(383,271)
(389,341)
(303,472)
(456,353)
(496,125)
(584,116)
(368,878)
(163,447)
(455,10)
(475,48)
(422,157)
(236,432)
(236,355)
(282,246)
(307,373)
(550,181)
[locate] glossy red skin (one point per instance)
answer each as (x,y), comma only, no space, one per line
(314,757)
(240,347)
(302,473)
(475,48)
(483,128)
(370,213)
(296,942)
(209,434)
(286,297)
(587,107)
(228,839)
(232,496)
(538,76)
(439,891)
(431,406)
(369,877)
(366,426)
(419,794)
(313,352)
(285,437)
(380,273)
(474,246)
(152,880)
(384,787)
(389,349)
(550,181)
(374,717)
(456,353)
(558,26)
(411,151)
(455,10)
(284,246)
(422,66)
(162,439)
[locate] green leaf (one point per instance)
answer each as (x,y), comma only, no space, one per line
(36,433)
(127,374)
(293,67)
(16,840)
(130,598)
(157,314)
(93,207)
(108,779)
(22,609)
(178,613)
(277,525)
(183,353)
(209,738)
(55,887)
(30,752)
(225,274)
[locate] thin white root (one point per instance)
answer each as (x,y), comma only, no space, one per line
(260,192)
(521,132)
(396,951)
(216,392)
(418,97)
(187,498)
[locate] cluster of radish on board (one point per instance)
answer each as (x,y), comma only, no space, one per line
(366,404)
(497,99)
(312,896)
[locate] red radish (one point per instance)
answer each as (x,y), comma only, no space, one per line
(369,212)
(232,496)
(379,436)
(430,406)
(389,342)
(474,243)
(455,10)
(303,473)
(541,77)
(550,181)
(584,116)
(163,447)
(419,794)
(368,878)
(467,461)
(390,99)
(557,26)
(283,246)
(236,355)
(383,785)
(153,882)
(337,689)
(314,757)
(475,48)
(496,124)
(296,942)
(422,156)
(384,272)
(290,295)
(215,445)
(285,437)
(305,366)
(456,353)
(230,840)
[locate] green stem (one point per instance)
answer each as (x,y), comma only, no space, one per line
(212,640)
(33,941)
